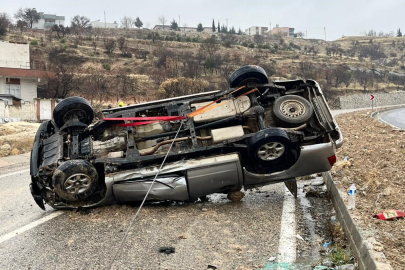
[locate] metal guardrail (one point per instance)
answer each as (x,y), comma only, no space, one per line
(366,258)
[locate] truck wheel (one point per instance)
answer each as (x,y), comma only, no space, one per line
(75,180)
(71,108)
(248,75)
(292,110)
(271,150)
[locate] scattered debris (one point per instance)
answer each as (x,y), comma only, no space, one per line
(317,181)
(299,237)
(235,196)
(272,259)
(211,267)
(346,267)
(167,250)
(390,214)
(327,244)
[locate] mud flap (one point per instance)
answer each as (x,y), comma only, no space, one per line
(292,186)
(36,194)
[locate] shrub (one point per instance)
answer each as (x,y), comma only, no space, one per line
(106,66)
(34,42)
(182,86)
(63,40)
(251,45)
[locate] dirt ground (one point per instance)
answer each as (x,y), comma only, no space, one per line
(376,163)
(17,138)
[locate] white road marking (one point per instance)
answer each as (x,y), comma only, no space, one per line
(29,226)
(287,242)
(14,173)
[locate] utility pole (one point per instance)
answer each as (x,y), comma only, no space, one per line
(226,24)
(179,22)
(324,29)
(105,21)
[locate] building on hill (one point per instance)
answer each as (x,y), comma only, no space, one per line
(99,24)
(17,80)
(46,21)
(283,31)
(256,30)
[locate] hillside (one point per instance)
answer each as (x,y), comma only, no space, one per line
(138,65)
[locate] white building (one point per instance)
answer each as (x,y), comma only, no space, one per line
(256,30)
(14,55)
(99,24)
(17,81)
(46,21)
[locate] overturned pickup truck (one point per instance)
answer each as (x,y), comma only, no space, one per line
(253,134)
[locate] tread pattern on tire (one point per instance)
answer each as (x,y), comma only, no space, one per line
(72,103)
(256,70)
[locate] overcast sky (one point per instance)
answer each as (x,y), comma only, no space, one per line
(344,17)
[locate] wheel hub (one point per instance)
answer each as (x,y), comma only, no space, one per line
(271,151)
(292,108)
(77,184)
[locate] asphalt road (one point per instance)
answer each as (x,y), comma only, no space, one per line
(227,235)
(395,117)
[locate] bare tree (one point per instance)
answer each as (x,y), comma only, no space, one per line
(258,39)
(79,24)
(300,34)
(126,22)
(63,82)
(110,44)
(123,45)
(28,15)
(60,30)
(162,20)
(5,22)
(210,45)
(364,78)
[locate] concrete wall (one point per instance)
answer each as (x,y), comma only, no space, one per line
(28,89)
(25,112)
(3,86)
(363,100)
(14,55)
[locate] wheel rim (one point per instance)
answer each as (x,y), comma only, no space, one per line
(292,108)
(271,151)
(77,184)
(77,113)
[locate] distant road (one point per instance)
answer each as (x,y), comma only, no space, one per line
(395,117)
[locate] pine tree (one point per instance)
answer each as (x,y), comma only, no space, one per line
(399,33)
(200,28)
(138,23)
(239,31)
(219,28)
(224,29)
(232,30)
(213,26)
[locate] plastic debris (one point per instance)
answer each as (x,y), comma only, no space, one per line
(327,244)
(211,267)
(167,250)
(272,259)
(317,181)
(299,237)
(352,197)
(390,214)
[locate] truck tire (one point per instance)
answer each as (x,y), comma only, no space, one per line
(271,150)
(75,180)
(292,110)
(248,75)
(71,108)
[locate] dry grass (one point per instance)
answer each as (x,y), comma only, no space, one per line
(17,138)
